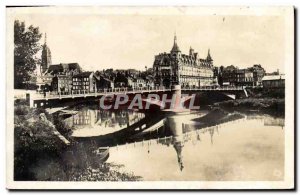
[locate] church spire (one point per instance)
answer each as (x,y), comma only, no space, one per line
(208,58)
(45,39)
(175,48)
(46,56)
(175,38)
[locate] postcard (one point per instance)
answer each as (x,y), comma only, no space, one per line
(150,98)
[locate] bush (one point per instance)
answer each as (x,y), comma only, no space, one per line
(34,139)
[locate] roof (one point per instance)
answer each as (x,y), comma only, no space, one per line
(175,46)
(55,68)
(99,77)
(83,74)
(273,77)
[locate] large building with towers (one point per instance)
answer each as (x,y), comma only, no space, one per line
(182,69)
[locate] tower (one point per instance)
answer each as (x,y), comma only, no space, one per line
(176,54)
(175,49)
(208,58)
(191,51)
(46,56)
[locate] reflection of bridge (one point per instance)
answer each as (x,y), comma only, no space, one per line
(37,100)
(176,139)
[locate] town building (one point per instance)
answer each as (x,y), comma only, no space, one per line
(258,74)
(228,75)
(232,75)
(123,80)
(55,77)
(185,70)
(138,82)
(104,83)
(62,84)
(244,77)
(273,81)
(62,74)
(84,82)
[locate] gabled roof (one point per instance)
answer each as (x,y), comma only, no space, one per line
(83,74)
(56,68)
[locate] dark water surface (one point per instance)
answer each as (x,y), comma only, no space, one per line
(162,146)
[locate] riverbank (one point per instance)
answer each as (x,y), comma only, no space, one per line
(267,105)
(40,150)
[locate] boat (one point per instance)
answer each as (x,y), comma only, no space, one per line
(101,154)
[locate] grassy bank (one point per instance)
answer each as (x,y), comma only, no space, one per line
(39,155)
(277,93)
(272,106)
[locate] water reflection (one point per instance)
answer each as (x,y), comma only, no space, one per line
(93,122)
(268,120)
(244,146)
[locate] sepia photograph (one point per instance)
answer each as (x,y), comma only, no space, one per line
(150,97)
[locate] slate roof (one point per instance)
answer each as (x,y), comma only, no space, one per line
(56,68)
(83,74)
(273,77)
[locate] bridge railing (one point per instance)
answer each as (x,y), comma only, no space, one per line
(75,93)
(215,88)
(98,91)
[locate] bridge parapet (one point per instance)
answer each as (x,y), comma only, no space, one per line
(114,91)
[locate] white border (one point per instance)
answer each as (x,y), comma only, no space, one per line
(289,150)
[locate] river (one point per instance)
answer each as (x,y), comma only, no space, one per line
(227,148)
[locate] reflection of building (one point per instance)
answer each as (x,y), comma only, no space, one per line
(85,117)
(186,70)
(104,118)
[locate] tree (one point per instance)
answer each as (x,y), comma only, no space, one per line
(26,42)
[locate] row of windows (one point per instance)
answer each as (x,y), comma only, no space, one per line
(80,87)
(81,122)
(196,74)
(80,83)
(187,74)
(194,80)
(81,79)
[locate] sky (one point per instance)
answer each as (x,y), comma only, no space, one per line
(101,41)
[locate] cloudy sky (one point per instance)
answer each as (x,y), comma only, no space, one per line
(100,41)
